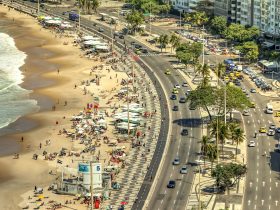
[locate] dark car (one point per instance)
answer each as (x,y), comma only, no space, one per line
(171,184)
(175,108)
(132,43)
(137,46)
(192,107)
(183,100)
(173,97)
(184,132)
(121,36)
(144,50)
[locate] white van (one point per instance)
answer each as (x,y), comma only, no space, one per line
(269,109)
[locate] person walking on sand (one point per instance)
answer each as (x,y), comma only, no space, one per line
(57,71)
(40,146)
(22,139)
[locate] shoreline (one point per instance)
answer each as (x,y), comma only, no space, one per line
(44,56)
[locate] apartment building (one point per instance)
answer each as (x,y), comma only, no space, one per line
(190,5)
(264,14)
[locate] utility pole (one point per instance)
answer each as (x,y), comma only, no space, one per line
(150,18)
(202,47)
(128,117)
(38,8)
(112,35)
(199,190)
(91,185)
(79,18)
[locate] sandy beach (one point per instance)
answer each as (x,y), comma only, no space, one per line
(52,70)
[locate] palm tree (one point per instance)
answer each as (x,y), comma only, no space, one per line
(204,71)
(232,126)
(205,144)
(95,4)
(220,70)
(163,41)
(174,41)
(212,154)
(219,130)
(238,137)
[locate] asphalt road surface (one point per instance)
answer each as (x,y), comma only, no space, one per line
(183,147)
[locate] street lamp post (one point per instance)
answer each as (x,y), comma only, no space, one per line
(38,8)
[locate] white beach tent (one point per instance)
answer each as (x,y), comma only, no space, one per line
(91,43)
(87,38)
(102,47)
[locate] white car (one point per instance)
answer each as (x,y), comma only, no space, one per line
(246,113)
(185,84)
(184,170)
(271,132)
(272,127)
(176,161)
(252,144)
(177,86)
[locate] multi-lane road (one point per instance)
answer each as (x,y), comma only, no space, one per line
(262,180)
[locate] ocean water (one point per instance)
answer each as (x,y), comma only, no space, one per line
(14,100)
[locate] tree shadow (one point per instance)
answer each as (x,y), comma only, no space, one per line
(273,160)
(193,122)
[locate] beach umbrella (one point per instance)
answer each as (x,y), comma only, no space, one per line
(41,196)
(124,203)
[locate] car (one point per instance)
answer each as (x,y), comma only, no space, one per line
(272,126)
(138,46)
(277,130)
(271,132)
(100,29)
(171,184)
(262,130)
(184,169)
(176,161)
(121,36)
(243,90)
(175,108)
(132,43)
(188,92)
(175,91)
(167,72)
(246,113)
(252,105)
(173,97)
(251,144)
(144,50)
(182,100)
(185,84)
(253,90)
(177,86)
(184,132)
(192,107)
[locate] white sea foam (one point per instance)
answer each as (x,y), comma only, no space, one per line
(14,100)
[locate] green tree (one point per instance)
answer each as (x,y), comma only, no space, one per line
(220,70)
(232,126)
(212,154)
(94,5)
(174,41)
(203,70)
(189,53)
(219,25)
(235,99)
(163,41)
(203,97)
(238,137)
(238,32)
(227,174)
(250,50)
(205,146)
(205,6)
(196,18)
(134,20)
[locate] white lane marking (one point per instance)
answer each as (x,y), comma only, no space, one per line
(256,197)
(276,183)
(258,156)
(270,172)
(256,188)
(257,180)
(248,122)
(276,203)
(269,207)
(255,207)
(270,180)
(257,171)
(263,184)
(257,164)
(165,192)
(251,184)
(259,121)
(262,202)
(270,197)
(269,188)
(249,202)
(253,121)
(263,120)
(177,193)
